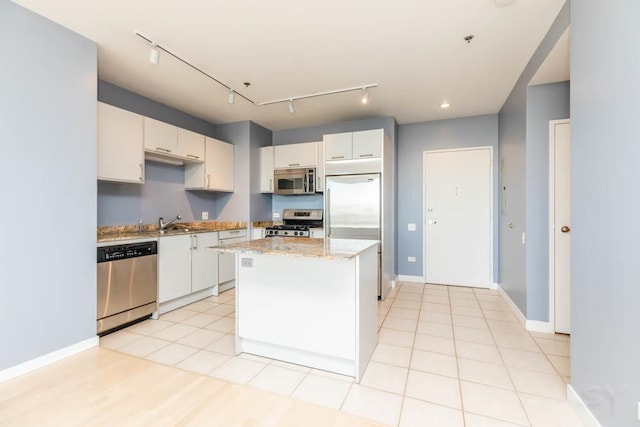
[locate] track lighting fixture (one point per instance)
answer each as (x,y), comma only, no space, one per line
(365,95)
(154,58)
(154,54)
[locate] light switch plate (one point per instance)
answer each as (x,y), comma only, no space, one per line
(411,227)
(205,215)
(411,259)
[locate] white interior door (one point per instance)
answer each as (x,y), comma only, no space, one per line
(560,134)
(458,210)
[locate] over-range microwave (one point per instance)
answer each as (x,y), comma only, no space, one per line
(295,181)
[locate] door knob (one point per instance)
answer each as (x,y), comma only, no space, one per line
(565,229)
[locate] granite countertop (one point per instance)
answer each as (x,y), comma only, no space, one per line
(131,232)
(301,246)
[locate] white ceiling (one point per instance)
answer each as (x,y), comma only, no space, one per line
(413,49)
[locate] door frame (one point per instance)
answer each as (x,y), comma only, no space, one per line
(552,203)
(491,208)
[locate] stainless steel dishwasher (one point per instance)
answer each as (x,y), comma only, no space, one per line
(127,284)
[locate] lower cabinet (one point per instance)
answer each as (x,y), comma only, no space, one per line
(227,262)
(185,265)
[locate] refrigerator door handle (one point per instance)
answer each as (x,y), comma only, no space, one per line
(328,212)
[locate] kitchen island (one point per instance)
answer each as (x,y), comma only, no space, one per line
(311,302)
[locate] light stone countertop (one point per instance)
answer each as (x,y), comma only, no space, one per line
(301,247)
(150,231)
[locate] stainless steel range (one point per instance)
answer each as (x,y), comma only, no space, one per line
(297,223)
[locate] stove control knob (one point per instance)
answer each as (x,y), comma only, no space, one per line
(275,232)
(295,233)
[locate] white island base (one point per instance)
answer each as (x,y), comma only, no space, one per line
(316,311)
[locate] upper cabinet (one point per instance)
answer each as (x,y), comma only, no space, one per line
(120,145)
(266,169)
(190,145)
(354,145)
(295,155)
(320,168)
(171,144)
(217,172)
(160,137)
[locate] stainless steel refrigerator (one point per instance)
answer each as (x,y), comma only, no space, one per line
(353,209)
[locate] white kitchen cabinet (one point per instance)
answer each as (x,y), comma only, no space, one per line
(295,155)
(354,145)
(204,262)
(190,145)
(368,144)
(316,233)
(160,137)
(320,168)
(257,233)
(217,172)
(174,267)
(120,145)
(227,262)
(338,146)
(266,170)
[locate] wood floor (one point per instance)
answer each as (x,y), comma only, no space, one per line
(100,387)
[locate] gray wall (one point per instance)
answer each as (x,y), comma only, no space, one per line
(544,103)
(605,202)
(162,194)
(413,140)
(512,146)
(260,204)
(48,215)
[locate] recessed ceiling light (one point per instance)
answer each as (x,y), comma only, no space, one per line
(445,105)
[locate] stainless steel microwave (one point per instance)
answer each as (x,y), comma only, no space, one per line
(295,181)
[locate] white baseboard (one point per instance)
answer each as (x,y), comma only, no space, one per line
(513,306)
(581,408)
(413,279)
(47,359)
(539,326)
(494,286)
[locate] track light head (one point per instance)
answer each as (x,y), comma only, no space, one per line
(231,98)
(154,54)
(365,95)
(292,108)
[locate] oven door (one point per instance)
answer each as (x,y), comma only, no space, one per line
(290,181)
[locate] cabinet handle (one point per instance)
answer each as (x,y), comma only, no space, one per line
(337,157)
(366,155)
(208,180)
(166,150)
(141,171)
(193,157)
(294,164)
(195,239)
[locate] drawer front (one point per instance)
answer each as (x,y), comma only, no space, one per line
(230,234)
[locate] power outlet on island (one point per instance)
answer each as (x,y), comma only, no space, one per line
(411,259)
(411,227)
(205,215)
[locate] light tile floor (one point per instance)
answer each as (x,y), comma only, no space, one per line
(446,356)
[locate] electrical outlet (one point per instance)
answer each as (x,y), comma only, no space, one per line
(205,215)
(276,214)
(524,238)
(411,227)
(411,259)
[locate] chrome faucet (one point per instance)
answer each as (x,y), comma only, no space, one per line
(163,225)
